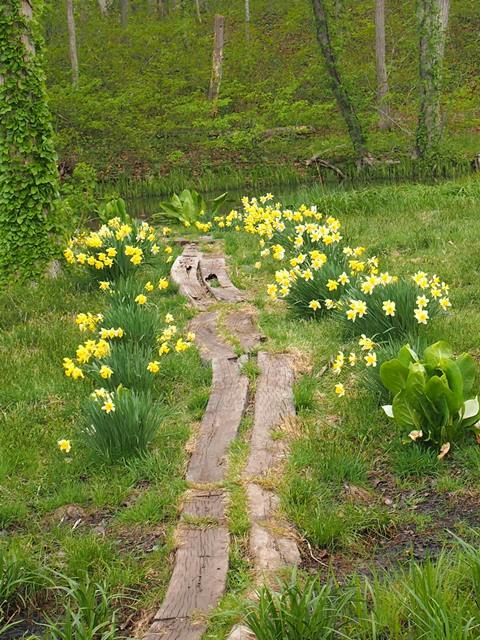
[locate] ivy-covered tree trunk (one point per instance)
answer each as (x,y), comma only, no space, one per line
(432,22)
(340,92)
(28,169)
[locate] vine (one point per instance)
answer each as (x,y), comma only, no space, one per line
(28,169)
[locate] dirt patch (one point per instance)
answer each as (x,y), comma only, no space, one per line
(429,516)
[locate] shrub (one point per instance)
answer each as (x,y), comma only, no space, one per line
(120,424)
(432,398)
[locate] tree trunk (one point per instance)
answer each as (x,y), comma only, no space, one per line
(102,4)
(342,97)
(123,12)
(217,60)
(433,22)
(28,169)
(382,78)
(247,18)
(197,7)
(72,42)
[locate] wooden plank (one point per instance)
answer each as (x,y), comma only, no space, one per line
(220,422)
(242,325)
(185,274)
(211,345)
(176,629)
(200,573)
(274,403)
(272,543)
(214,270)
(205,503)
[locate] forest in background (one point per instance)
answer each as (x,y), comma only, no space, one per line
(141,105)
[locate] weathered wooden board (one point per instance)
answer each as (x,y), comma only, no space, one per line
(185,274)
(220,422)
(242,325)
(211,345)
(200,573)
(176,629)
(274,403)
(214,270)
(272,544)
(205,503)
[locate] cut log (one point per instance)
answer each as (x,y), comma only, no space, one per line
(215,276)
(210,344)
(241,324)
(220,423)
(273,404)
(185,274)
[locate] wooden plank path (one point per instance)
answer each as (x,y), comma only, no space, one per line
(202,539)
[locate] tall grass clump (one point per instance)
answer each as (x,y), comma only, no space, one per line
(120,424)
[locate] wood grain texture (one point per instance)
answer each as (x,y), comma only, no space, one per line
(274,403)
(185,274)
(220,422)
(200,573)
(210,344)
(176,629)
(242,325)
(214,270)
(205,503)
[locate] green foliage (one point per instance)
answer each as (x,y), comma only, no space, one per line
(299,612)
(432,396)
(89,611)
(118,432)
(189,207)
(28,173)
(302,292)
(19,580)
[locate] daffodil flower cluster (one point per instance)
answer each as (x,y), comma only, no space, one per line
(170,340)
(116,248)
(364,356)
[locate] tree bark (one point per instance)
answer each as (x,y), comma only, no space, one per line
(28,163)
(197,7)
(72,42)
(217,60)
(123,12)
(341,94)
(382,78)
(102,5)
(433,22)
(247,18)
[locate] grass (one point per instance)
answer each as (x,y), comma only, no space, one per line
(70,514)
(346,459)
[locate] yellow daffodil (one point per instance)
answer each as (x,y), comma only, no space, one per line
(153,367)
(105,372)
(340,390)
(64,445)
(141,299)
(389,307)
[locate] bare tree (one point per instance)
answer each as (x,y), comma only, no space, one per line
(340,92)
(123,12)
(103,6)
(382,77)
(247,18)
(217,59)
(433,23)
(72,42)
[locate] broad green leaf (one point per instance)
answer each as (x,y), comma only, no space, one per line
(393,375)
(405,415)
(466,364)
(436,352)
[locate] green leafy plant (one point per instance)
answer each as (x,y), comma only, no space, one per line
(120,424)
(432,398)
(19,579)
(189,207)
(89,612)
(301,611)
